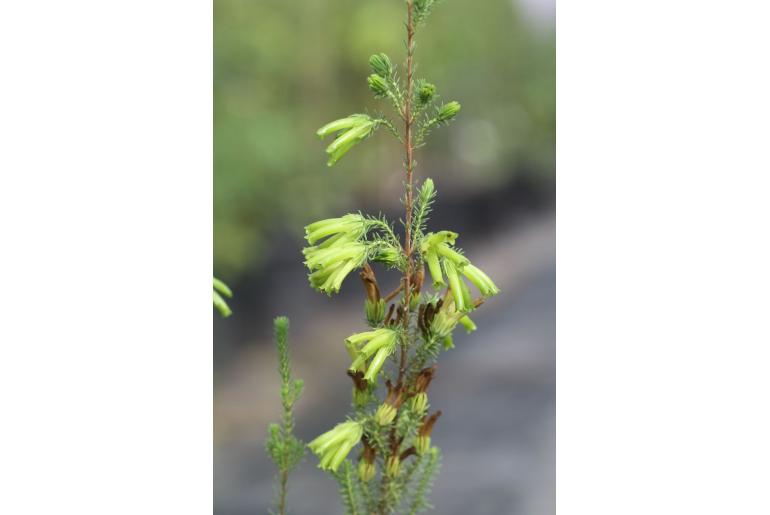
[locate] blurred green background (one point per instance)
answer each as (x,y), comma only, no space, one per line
(284,68)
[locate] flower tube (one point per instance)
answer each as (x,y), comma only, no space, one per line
(333,446)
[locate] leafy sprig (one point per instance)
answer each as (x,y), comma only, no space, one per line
(282,446)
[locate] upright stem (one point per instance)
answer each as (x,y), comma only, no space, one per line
(383,507)
(282,497)
(409,150)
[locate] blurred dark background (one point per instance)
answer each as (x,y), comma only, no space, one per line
(281,70)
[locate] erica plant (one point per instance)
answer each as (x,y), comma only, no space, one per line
(382,454)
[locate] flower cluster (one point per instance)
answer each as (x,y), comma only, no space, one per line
(340,252)
(397,427)
(348,132)
(372,346)
(442,259)
(333,446)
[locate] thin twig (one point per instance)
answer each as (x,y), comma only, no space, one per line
(390,296)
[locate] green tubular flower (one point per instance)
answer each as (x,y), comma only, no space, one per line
(467,297)
(468,324)
(221,305)
(446,319)
(434,238)
(333,446)
(454,285)
(381,65)
(221,289)
(378,85)
(351,226)
(443,250)
(433,246)
(377,362)
(435,269)
(354,120)
(480,280)
(329,280)
(380,344)
(327,257)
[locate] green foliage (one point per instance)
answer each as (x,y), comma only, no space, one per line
(422,9)
(428,476)
(282,446)
(381,65)
(422,208)
(347,489)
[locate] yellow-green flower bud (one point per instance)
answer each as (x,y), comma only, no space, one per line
(366,471)
(420,403)
(389,256)
(426,92)
(448,111)
(443,324)
(375,312)
(385,414)
(378,85)
(422,444)
(392,466)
